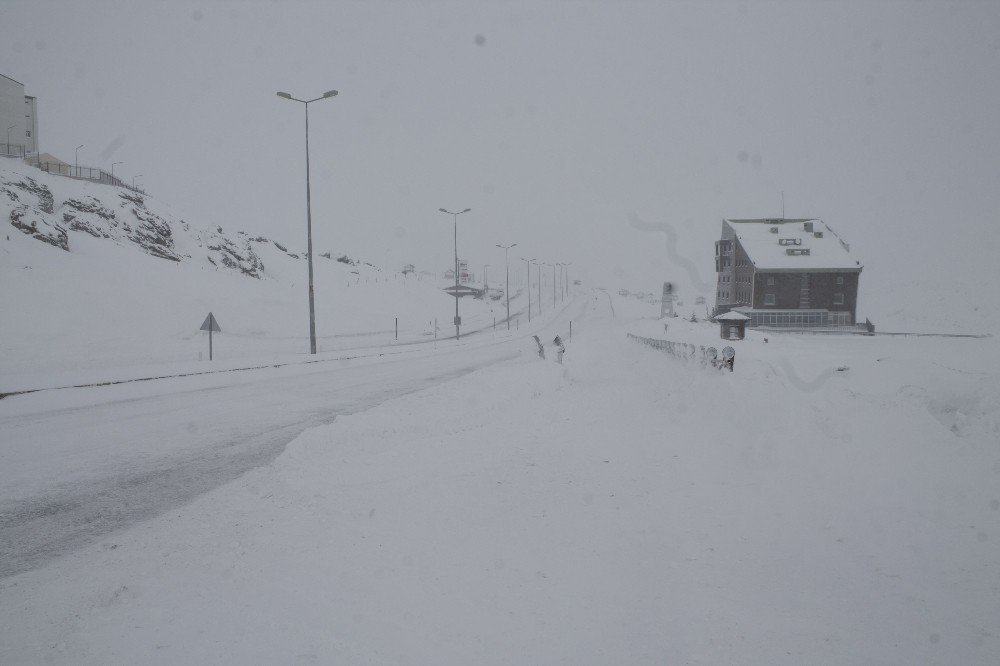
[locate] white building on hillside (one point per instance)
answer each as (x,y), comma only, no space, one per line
(18,119)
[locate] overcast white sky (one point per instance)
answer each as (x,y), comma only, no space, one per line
(553,121)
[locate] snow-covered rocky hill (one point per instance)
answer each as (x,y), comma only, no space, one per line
(98,281)
(49,209)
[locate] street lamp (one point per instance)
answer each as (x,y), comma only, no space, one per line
(78,160)
(8,135)
(133,180)
(309,230)
(486,275)
(458,320)
(539,264)
(554,285)
(528,262)
(566,276)
(113,170)
(553,267)
(506,261)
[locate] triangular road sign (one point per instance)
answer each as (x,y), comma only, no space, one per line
(210,324)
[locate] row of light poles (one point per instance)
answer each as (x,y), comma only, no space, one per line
(454,215)
(506,249)
(76,162)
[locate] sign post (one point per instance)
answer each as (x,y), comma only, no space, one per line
(210,325)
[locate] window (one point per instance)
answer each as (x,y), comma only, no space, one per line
(769,299)
(770,282)
(28,134)
(840,281)
(838,299)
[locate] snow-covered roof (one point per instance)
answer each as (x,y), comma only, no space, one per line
(732,315)
(787,244)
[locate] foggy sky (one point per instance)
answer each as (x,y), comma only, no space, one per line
(554,121)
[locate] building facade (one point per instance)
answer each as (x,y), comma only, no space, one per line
(786,273)
(18,119)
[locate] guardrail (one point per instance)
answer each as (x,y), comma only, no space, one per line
(706,356)
(84,173)
(11,150)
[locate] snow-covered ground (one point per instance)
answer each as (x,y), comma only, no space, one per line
(834,500)
(107,310)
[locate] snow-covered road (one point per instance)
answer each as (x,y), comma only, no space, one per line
(627,506)
(115,455)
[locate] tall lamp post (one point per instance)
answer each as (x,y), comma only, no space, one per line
(309,228)
(554,285)
(458,320)
(528,262)
(566,276)
(8,135)
(538,265)
(506,261)
(77,160)
(486,275)
(113,165)
(553,266)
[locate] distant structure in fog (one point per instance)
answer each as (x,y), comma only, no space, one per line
(786,272)
(19,113)
(464,275)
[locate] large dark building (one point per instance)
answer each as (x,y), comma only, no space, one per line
(783,272)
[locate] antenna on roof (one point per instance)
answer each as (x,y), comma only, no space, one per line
(782,204)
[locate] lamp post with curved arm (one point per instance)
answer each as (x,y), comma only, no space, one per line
(458,320)
(309,233)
